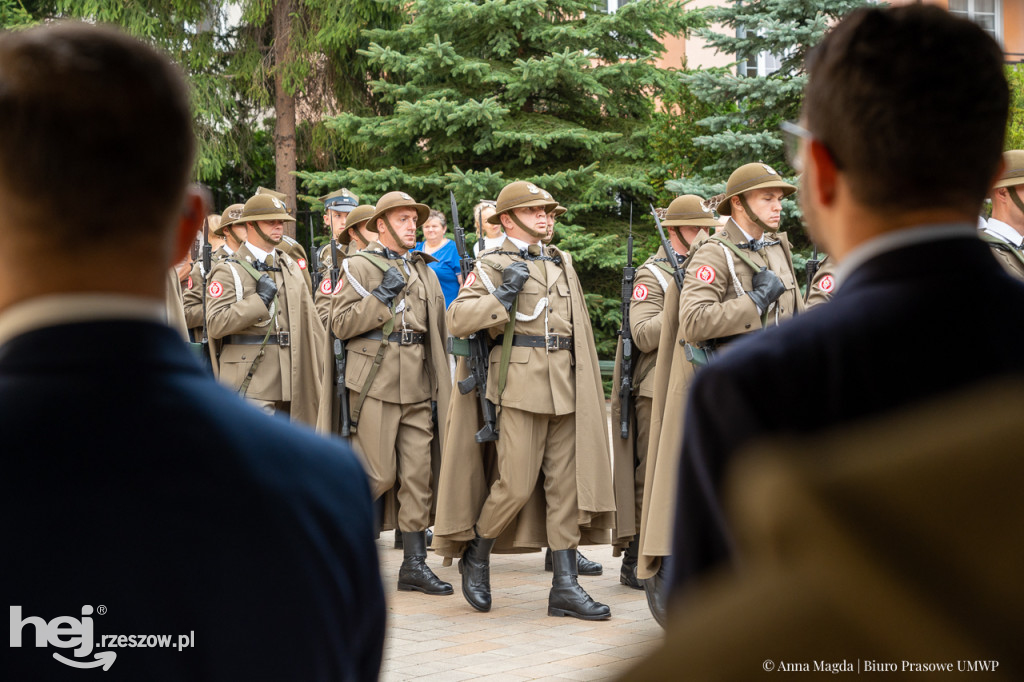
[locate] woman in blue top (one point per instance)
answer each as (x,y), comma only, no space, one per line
(443,249)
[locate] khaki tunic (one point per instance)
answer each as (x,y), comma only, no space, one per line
(298,254)
(548,385)
(629,455)
(408,374)
(713,303)
(289,374)
(823,286)
(322,295)
(193,294)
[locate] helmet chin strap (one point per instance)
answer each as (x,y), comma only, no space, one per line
(1014,193)
(753,216)
(263,236)
(391,231)
(528,230)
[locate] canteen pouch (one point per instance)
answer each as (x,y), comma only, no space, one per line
(697,356)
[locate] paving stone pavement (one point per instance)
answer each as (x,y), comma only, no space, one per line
(443,638)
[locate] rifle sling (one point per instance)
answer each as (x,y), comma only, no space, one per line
(386,330)
(747,260)
(258,360)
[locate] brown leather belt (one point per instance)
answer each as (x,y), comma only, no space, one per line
(281,339)
(402,338)
(550,342)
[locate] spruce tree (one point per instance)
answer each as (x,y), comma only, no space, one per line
(484,92)
(750,102)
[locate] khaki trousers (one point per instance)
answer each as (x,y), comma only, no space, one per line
(643,436)
(531,444)
(393,442)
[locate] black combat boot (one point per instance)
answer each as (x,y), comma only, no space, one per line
(414,573)
(654,587)
(475,567)
(627,576)
(400,545)
(567,598)
(584,566)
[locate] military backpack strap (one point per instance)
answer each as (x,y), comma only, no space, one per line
(386,330)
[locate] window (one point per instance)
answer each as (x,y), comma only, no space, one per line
(986,13)
(765,64)
(616,4)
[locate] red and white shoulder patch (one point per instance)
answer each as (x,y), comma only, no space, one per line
(827,284)
(470,280)
(325,287)
(705,273)
(189,283)
(216,290)
(302,263)
(640,292)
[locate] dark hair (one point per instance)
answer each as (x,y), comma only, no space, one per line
(96,138)
(912,103)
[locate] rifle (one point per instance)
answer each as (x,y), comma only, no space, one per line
(341,417)
(479,353)
(626,334)
(677,271)
(314,259)
(812,269)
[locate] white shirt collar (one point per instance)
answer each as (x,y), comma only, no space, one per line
(257,253)
(227,249)
(54,309)
(519,243)
(745,235)
(897,239)
(997,228)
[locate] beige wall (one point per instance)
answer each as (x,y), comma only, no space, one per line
(693,50)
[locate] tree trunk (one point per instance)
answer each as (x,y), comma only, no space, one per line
(284,106)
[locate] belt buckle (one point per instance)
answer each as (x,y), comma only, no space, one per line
(283,339)
(550,343)
(405,337)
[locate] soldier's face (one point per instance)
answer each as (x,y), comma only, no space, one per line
(273,232)
(336,220)
(533,217)
(403,222)
(766,204)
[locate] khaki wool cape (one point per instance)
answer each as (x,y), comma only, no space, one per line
(468,469)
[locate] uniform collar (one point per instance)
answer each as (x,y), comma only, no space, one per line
(257,253)
(997,228)
(48,311)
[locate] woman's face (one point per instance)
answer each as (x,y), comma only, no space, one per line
(489,229)
(433,231)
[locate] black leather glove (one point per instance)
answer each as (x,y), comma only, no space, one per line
(266,290)
(767,289)
(512,281)
(389,287)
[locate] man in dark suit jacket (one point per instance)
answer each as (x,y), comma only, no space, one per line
(153,523)
(891,183)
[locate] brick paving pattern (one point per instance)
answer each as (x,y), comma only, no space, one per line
(443,638)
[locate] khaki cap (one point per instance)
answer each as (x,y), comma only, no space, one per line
(280,196)
(264,207)
(358,215)
(393,200)
(689,209)
(228,218)
(1013,174)
(749,177)
(560,210)
(521,194)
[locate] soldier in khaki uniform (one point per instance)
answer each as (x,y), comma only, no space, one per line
(230,240)
(742,278)
(288,244)
(686,221)
(545,380)
(354,235)
(1004,231)
(337,207)
(261,312)
(823,284)
(390,308)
